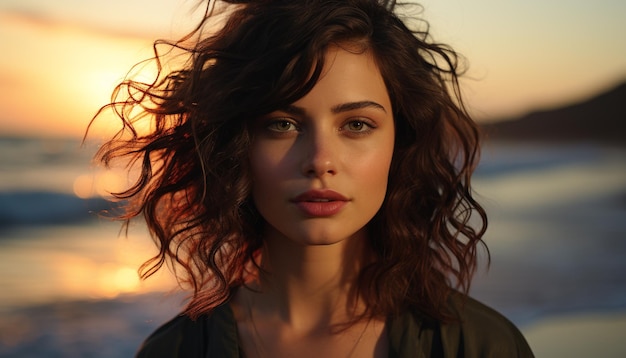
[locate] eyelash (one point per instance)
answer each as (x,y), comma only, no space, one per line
(366,126)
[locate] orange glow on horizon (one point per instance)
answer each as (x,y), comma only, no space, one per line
(55,76)
(59,76)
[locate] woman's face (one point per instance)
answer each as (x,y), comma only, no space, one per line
(320,166)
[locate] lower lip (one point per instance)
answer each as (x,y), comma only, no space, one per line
(320,208)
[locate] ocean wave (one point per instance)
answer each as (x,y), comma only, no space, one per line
(47,208)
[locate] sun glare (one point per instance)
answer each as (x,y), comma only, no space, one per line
(80,276)
(113,280)
(101,270)
(84,186)
(100,184)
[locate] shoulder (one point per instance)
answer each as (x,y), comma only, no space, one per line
(172,339)
(482,332)
(212,335)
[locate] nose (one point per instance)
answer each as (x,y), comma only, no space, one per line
(320,154)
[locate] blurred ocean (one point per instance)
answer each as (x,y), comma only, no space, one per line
(68,284)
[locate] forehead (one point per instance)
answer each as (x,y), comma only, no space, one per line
(350,74)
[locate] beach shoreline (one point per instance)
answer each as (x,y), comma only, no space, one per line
(579,335)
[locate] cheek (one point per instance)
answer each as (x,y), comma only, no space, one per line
(268,158)
(379,165)
(260,161)
(374,175)
(267,169)
(379,177)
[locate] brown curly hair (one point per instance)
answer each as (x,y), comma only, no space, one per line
(194,188)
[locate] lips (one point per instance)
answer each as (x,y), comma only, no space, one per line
(320,203)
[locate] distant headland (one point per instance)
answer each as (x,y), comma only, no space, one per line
(601,119)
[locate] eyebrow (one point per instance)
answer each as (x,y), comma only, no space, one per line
(344,107)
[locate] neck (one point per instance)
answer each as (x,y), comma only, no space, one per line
(311,286)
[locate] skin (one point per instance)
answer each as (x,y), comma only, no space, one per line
(338,138)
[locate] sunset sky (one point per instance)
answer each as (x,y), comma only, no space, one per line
(60,59)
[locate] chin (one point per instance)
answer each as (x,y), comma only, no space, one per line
(324,237)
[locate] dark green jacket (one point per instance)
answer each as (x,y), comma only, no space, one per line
(482,332)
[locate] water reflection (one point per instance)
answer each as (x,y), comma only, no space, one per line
(82,261)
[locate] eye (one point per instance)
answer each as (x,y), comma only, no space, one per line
(282,125)
(358,126)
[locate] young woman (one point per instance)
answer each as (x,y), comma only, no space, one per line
(307,173)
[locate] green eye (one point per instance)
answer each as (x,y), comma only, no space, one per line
(356,126)
(282,126)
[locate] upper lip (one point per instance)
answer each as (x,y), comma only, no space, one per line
(320,195)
